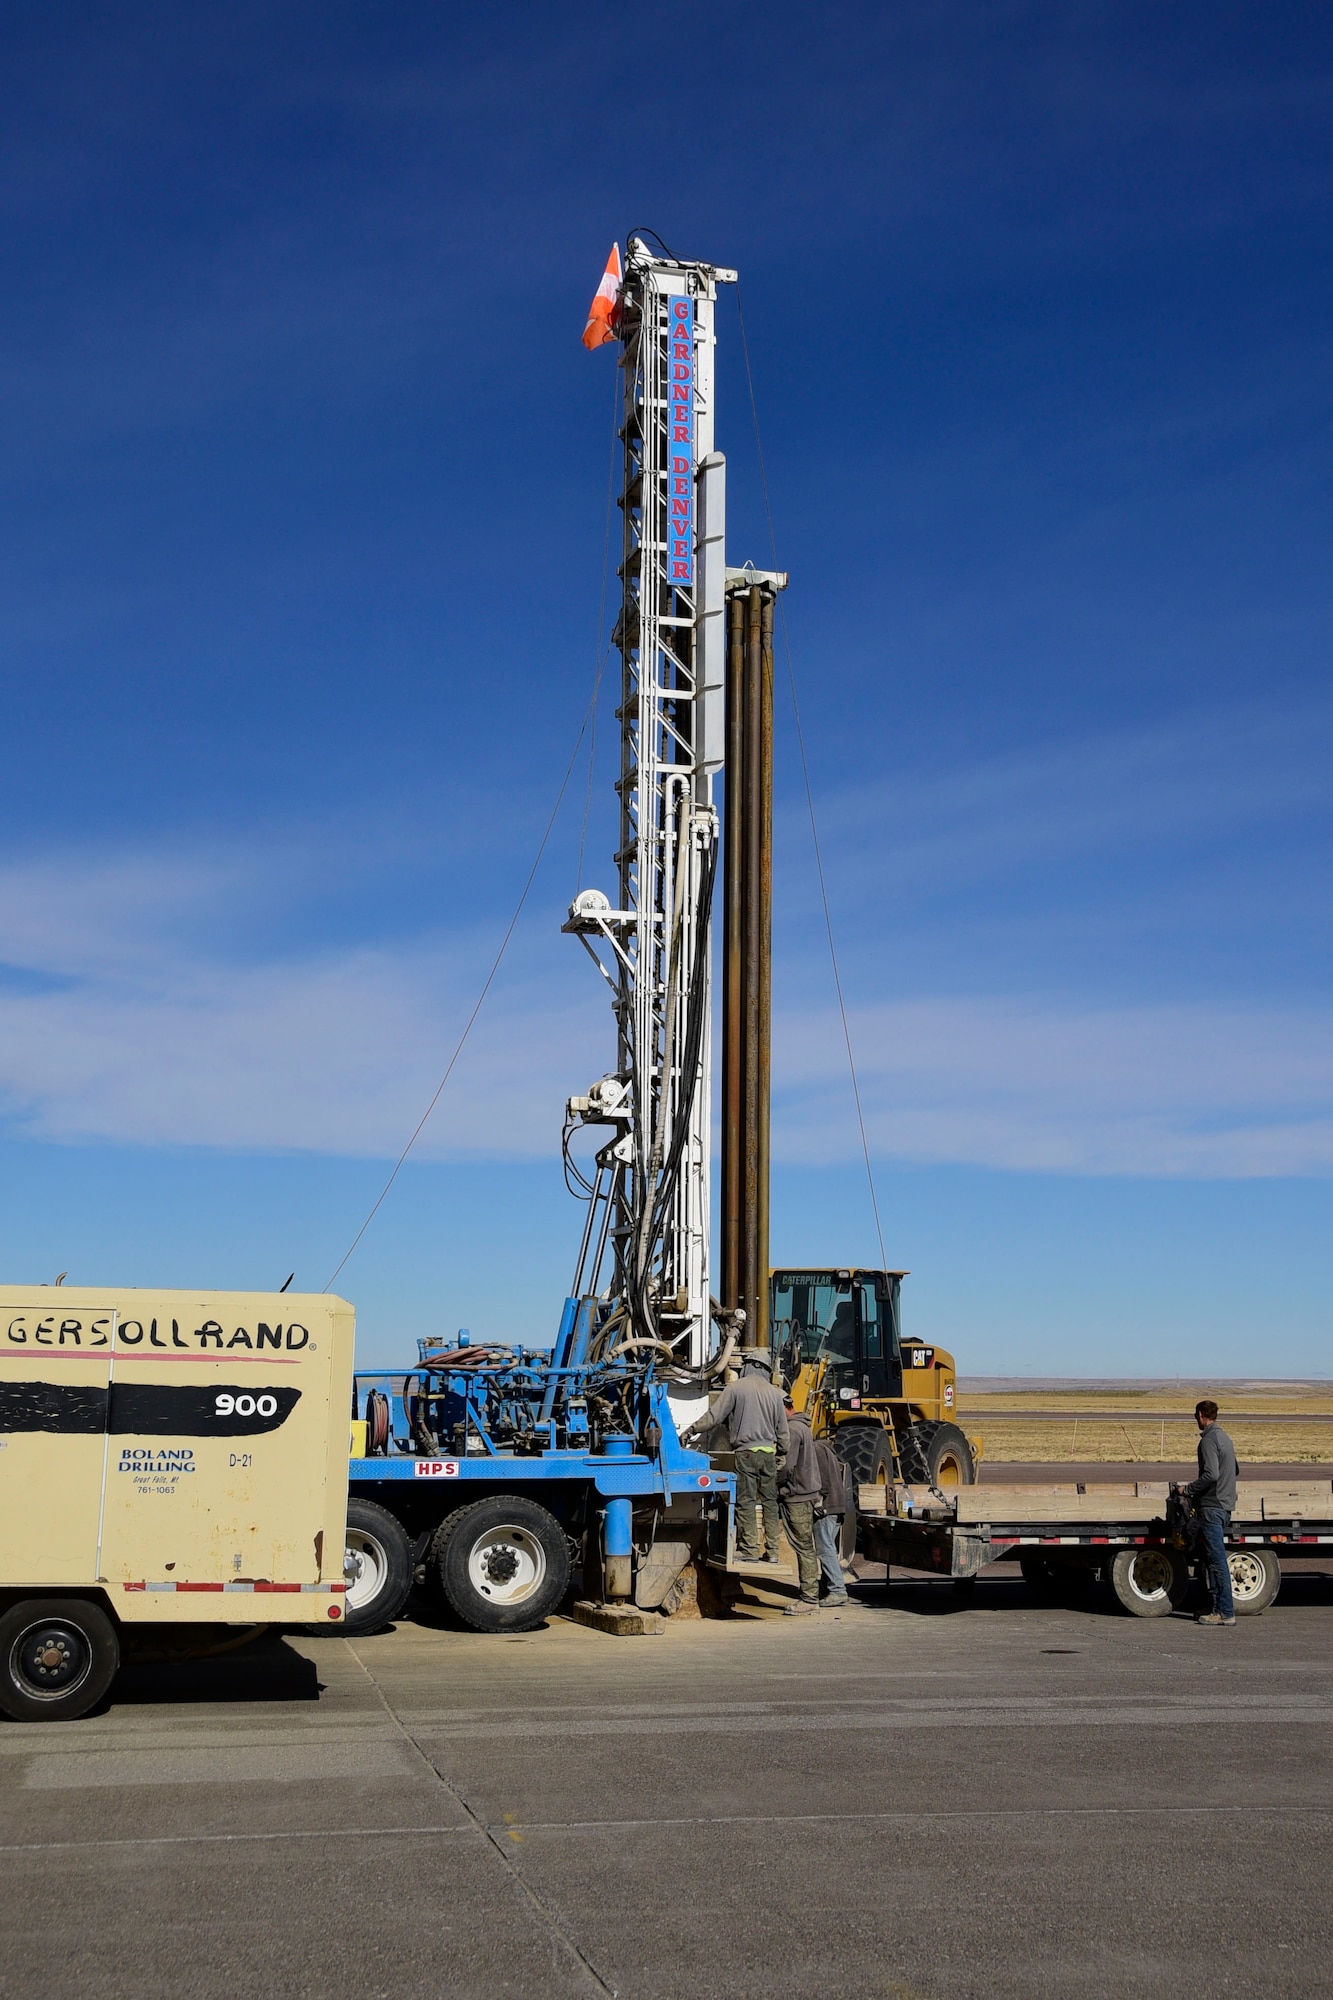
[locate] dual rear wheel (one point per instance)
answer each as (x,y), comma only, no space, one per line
(501,1564)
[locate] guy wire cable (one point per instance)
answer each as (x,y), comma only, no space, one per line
(809,792)
(590,717)
(486,987)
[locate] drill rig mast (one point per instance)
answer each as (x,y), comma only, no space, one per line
(651,1196)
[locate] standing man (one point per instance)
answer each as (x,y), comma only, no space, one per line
(752,1412)
(1213,1495)
(832,1505)
(799,1489)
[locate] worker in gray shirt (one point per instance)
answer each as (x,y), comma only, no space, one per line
(800,1487)
(833,1503)
(752,1413)
(1213,1495)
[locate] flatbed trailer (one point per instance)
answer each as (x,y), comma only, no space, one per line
(1064,1537)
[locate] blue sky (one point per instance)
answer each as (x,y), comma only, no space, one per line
(303,479)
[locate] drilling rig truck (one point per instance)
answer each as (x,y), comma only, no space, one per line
(491,1473)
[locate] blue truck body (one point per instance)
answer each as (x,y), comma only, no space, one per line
(582,1431)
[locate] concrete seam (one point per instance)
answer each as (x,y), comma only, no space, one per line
(602,1825)
(488,1835)
(910,1818)
(224,1839)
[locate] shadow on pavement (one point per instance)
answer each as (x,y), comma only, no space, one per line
(261,1668)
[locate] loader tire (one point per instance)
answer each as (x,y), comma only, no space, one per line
(58,1657)
(935,1454)
(378,1568)
(503,1563)
(1150,1582)
(867,1452)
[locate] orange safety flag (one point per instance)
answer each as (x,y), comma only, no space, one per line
(605,305)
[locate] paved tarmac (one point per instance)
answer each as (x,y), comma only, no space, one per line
(925,1795)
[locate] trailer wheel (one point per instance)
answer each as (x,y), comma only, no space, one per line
(1150,1582)
(58,1657)
(503,1563)
(1256,1577)
(934,1454)
(378,1568)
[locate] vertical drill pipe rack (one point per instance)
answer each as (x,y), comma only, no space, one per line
(747,958)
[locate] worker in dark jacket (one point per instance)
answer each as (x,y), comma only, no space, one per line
(1213,1494)
(834,1499)
(800,1488)
(751,1412)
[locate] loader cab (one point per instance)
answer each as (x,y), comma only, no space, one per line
(847,1319)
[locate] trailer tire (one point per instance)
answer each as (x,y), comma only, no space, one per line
(936,1454)
(58,1657)
(378,1568)
(1256,1578)
(1150,1582)
(503,1563)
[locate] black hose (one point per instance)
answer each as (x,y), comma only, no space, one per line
(694,1025)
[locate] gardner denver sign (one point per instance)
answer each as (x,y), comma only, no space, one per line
(680,430)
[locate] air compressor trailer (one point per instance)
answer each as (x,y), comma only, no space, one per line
(165,1457)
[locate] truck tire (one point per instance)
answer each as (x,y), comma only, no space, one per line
(503,1563)
(378,1568)
(58,1657)
(1150,1582)
(1256,1577)
(935,1454)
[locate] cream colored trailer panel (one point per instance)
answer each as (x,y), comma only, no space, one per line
(186,1452)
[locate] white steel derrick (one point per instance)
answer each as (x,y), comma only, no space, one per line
(654,947)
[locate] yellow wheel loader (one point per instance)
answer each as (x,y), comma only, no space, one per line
(885,1403)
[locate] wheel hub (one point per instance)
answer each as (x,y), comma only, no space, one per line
(507,1565)
(50,1659)
(1151,1574)
(364,1565)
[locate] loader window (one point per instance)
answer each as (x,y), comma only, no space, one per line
(813,1315)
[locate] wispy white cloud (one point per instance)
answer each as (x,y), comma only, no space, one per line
(1057,1087)
(126,1026)
(1164,790)
(129,1017)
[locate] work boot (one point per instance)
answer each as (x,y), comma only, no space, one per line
(800,1609)
(771,1556)
(1213,1618)
(832,1603)
(748,1556)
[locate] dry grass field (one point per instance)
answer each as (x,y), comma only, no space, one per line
(1150,1425)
